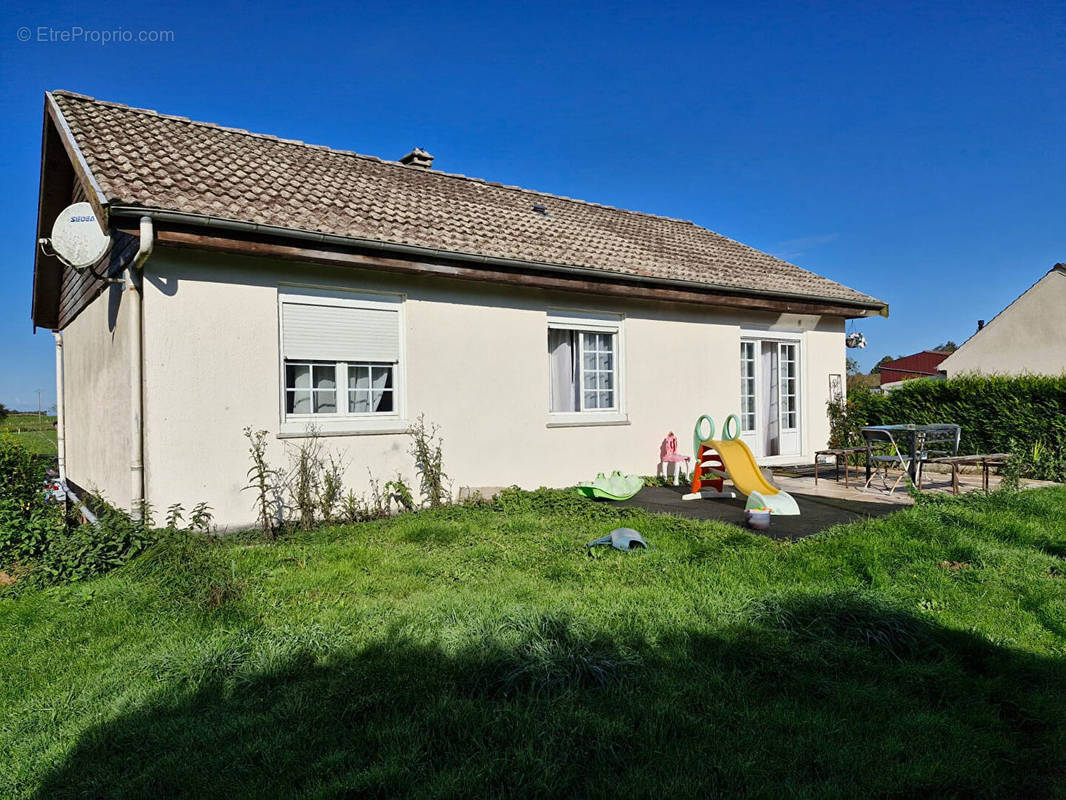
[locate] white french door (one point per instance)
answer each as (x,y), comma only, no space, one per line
(749,395)
(770,419)
(788,399)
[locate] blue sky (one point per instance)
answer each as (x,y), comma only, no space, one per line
(915,152)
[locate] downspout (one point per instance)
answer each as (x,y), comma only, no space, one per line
(61,448)
(133,294)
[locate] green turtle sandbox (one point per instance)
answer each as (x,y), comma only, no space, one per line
(616,487)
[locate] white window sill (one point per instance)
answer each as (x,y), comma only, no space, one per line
(297,429)
(587,418)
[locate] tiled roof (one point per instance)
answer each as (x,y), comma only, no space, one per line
(142,158)
(926,362)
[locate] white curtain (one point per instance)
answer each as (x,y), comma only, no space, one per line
(563,350)
(771,391)
(382,401)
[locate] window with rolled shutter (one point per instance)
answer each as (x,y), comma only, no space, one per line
(341,353)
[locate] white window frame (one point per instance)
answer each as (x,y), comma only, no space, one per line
(343,422)
(590,322)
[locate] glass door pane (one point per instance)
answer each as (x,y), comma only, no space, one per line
(747,386)
(788,385)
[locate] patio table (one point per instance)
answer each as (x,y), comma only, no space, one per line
(912,436)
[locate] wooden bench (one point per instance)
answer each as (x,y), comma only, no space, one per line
(838,453)
(986,461)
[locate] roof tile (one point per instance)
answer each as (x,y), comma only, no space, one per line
(143,158)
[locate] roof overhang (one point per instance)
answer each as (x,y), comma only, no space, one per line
(62,165)
(268,241)
(93,192)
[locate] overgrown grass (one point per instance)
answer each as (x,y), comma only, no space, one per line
(480,652)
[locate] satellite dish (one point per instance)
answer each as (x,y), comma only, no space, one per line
(76,237)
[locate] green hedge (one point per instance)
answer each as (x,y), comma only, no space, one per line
(1022,415)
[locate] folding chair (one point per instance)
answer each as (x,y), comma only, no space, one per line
(937,442)
(882,461)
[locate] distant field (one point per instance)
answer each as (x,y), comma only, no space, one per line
(36,434)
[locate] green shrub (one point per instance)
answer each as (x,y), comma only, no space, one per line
(28,520)
(82,551)
(427,450)
(1023,415)
(43,546)
(21,473)
(1044,459)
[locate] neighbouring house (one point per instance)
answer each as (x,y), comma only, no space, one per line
(925,364)
(262,282)
(1024,338)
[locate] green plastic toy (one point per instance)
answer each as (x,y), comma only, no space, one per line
(616,487)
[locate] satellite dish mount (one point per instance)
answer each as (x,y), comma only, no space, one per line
(77,239)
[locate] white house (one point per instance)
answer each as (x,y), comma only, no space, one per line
(256,281)
(1024,338)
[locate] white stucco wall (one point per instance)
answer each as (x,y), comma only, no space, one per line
(476,364)
(1026,337)
(97,397)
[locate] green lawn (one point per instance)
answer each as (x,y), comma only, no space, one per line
(481,653)
(36,434)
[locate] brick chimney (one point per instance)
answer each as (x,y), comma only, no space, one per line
(418,158)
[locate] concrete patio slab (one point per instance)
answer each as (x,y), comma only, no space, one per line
(935,479)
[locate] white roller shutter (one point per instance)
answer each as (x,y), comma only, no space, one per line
(315,332)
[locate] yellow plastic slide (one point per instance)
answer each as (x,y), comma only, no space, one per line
(741,469)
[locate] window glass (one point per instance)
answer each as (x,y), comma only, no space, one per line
(311,388)
(789,395)
(325,388)
(747,386)
(598,369)
(370,389)
(582,370)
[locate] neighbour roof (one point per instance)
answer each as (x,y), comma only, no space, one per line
(1059,269)
(923,363)
(145,159)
